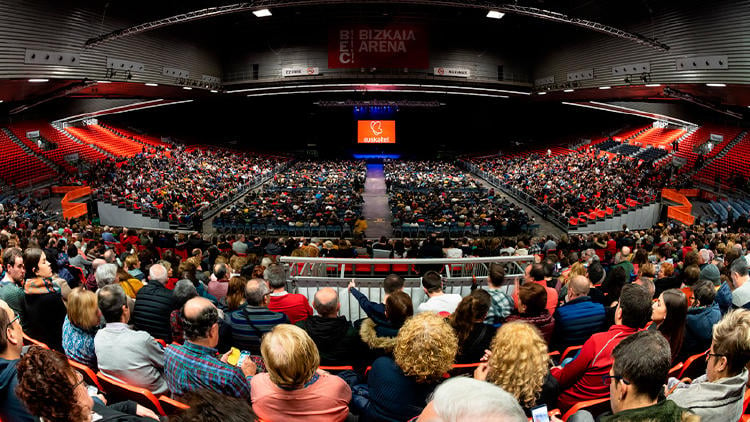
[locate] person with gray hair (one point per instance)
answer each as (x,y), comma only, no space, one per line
(105,275)
(739,275)
(130,356)
(293,305)
(154,304)
(245,326)
(219,284)
(91,283)
(110,257)
(467,399)
(337,340)
(184,290)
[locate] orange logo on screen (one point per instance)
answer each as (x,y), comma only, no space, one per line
(376,131)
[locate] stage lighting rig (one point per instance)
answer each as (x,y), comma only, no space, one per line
(673,93)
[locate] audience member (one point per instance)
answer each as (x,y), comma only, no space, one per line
(532,298)
(466,399)
(11,286)
(80,326)
(437,301)
(246,326)
(579,317)
(219,284)
(295,306)
(500,293)
(668,316)
(294,387)
(391,283)
(701,317)
(474,336)
(194,366)
(210,406)
(44,296)
(380,335)
(11,345)
(154,304)
(184,290)
(738,271)
(127,355)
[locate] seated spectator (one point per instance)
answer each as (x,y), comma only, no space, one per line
(531,300)
(474,336)
(718,394)
(154,304)
(130,356)
(235,297)
(295,306)
(640,366)
(500,293)
(668,316)
(437,301)
(517,362)
(210,406)
(738,272)
(11,286)
(80,326)
(581,379)
(579,317)
(391,283)
(183,291)
(44,296)
(77,260)
(60,395)
(380,335)
(219,284)
(130,284)
(621,260)
(294,387)
(336,338)
(194,366)
(245,326)
(701,318)
(466,399)
(11,345)
(711,272)
(536,273)
(398,387)
(133,266)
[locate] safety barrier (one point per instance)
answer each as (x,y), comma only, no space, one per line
(683,212)
(72,209)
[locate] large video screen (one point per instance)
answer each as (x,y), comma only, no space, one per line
(376,131)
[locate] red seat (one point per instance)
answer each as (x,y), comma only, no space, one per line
(568,351)
(172,406)
(693,365)
(88,374)
(122,391)
(30,341)
(596,407)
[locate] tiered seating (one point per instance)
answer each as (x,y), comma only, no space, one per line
(19,168)
(656,137)
(606,145)
(626,149)
(734,164)
(651,154)
(65,145)
(688,145)
(106,140)
(146,139)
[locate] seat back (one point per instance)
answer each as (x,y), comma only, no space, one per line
(28,341)
(693,367)
(88,374)
(463,368)
(596,407)
(171,406)
(120,391)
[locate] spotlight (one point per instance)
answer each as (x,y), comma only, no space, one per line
(494,14)
(568,90)
(652,85)
(187,87)
(38,80)
(151,84)
(262,13)
(605,87)
(716,85)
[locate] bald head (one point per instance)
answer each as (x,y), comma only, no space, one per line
(256,291)
(326,302)
(96,263)
(200,321)
(579,286)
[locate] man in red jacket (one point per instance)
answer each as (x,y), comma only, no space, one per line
(294,306)
(581,379)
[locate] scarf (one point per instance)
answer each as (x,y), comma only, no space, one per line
(39,286)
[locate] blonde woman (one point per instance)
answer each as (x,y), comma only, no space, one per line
(80,326)
(518,362)
(398,387)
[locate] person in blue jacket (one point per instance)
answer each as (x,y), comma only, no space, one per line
(702,315)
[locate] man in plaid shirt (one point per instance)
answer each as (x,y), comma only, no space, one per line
(196,365)
(501,295)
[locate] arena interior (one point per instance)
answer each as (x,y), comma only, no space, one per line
(326,210)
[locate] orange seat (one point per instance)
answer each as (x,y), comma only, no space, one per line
(568,351)
(596,404)
(675,370)
(88,374)
(463,368)
(172,406)
(30,341)
(693,365)
(337,368)
(121,391)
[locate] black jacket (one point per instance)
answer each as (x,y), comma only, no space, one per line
(153,305)
(45,314)
(337,340)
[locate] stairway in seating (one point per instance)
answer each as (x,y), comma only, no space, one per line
(726,150)
(12,136)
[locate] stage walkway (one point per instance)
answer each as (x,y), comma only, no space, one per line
(375,209)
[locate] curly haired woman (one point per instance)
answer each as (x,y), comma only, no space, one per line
(397,388)
(518,362)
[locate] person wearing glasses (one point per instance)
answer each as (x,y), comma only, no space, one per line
(718,395)
(11,344)
(635,380)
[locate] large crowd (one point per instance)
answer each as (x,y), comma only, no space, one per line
(234,339)
(306,197)
(179,184)
(577,182)
(432,196)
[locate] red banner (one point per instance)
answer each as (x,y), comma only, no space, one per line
(395,46)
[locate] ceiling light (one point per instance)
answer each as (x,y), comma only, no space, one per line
(151,84)
(1,101)
(716,85)
(187,87)
(214,91)
(652,85)
(262,13)
(103,82)
(542,93)
(605,87)
(38,80)
(494,14)
(568,90)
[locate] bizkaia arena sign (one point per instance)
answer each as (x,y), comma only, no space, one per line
(389,47)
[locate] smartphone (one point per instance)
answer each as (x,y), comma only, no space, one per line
(243,356)
(539,414)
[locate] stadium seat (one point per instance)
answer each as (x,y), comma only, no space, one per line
(569,351)
(28,341)
(171,406)
(694,366)
(88,374)
(118,391)
(463,368)
(596,407)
